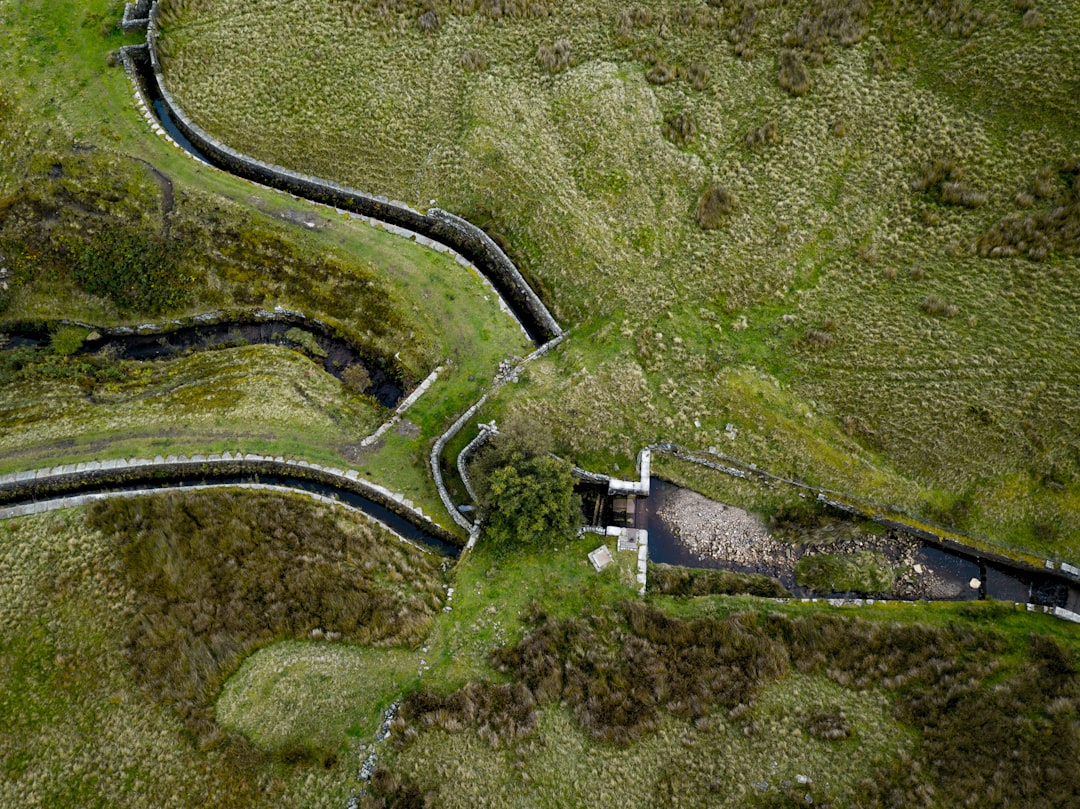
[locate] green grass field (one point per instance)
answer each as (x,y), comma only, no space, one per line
(808,265)
(848,325)
(86,724)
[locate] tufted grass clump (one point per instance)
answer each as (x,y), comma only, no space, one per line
(762,136)
(935,305)
(66,340)
(943,180)
(474,60)
(661,73)
(865,572)
(672,580)
(714,205)
(556,56)
(1055,229)
(793,76)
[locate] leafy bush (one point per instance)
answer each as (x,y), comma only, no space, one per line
(526,495)
(357,378)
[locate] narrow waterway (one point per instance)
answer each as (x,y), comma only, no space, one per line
(319,343)
(395,522)
(934,572)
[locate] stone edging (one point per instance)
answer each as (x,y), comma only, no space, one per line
(510,375)
(77,500)
(53,481)
(878,512)
(442,226)
(136,16)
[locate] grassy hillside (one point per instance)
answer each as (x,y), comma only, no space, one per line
(121,623)
(847,229)
(102,221)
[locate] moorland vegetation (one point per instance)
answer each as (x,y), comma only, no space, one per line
(818,222)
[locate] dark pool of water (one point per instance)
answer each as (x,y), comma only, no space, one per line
(339,354)
(952,569)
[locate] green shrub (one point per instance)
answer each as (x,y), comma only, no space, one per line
(306,340)
(526,495)
(357,378)
(66,340)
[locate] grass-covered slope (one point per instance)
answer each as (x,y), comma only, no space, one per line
(791,218)
(103,221)
(92,406)
(120,623)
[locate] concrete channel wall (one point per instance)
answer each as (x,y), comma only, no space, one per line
(56,482)
(441,226)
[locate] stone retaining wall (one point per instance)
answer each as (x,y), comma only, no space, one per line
(77,500)
(52,482)
(453,231)
(436,451)
(136,16)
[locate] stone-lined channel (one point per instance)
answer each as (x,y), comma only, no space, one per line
(953,569)
(334,353)
(175,476)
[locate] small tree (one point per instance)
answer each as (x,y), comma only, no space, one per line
(526,495)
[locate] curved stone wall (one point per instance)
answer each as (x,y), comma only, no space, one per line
(72,479)
(441,226)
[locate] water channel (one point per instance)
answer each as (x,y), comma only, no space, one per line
(997,579)
(334,353)
(952,568)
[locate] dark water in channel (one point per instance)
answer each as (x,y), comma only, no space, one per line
(953,569)
(392,520)
(339,354)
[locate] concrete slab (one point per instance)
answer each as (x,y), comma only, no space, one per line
(600,558)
